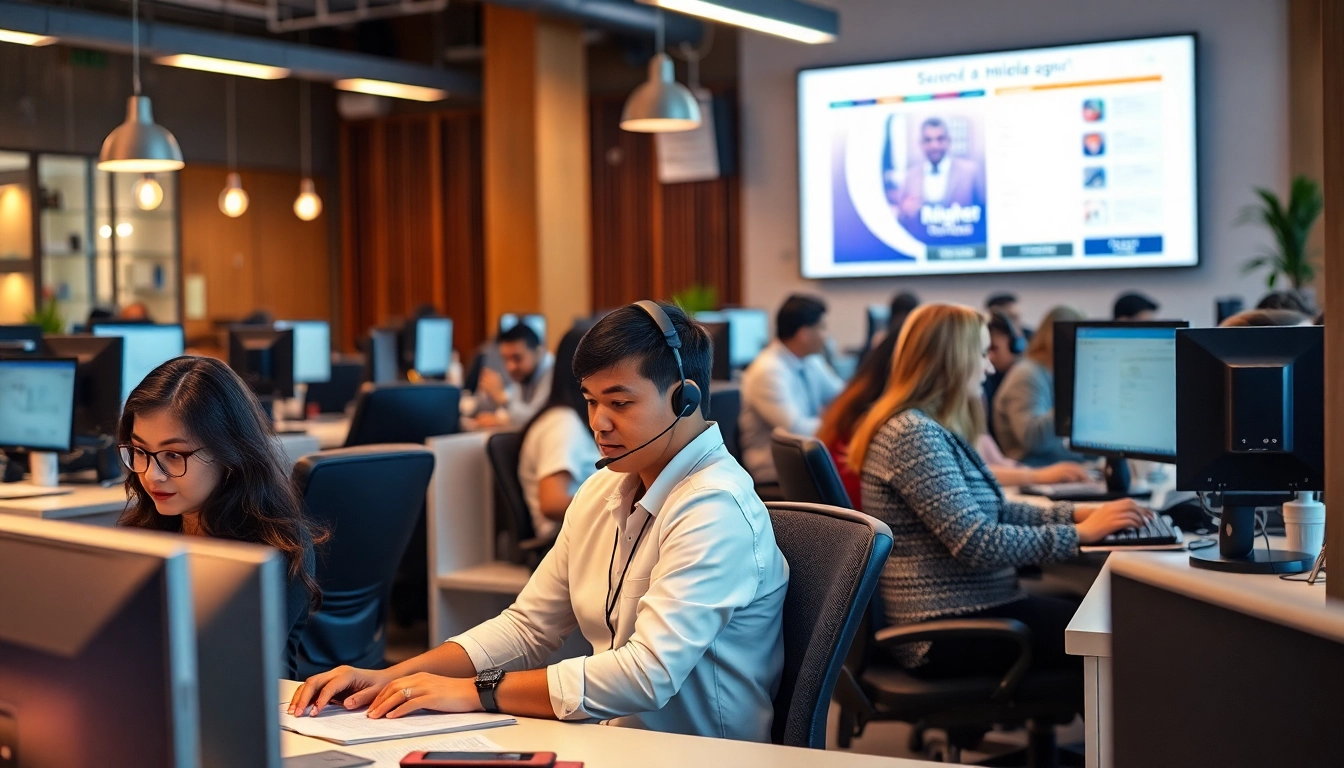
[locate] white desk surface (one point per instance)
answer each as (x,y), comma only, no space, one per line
(86,500)
(600,746)
(1296,604)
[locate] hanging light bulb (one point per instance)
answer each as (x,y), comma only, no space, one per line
(307,205)
(147,193)
(124,229)
(233,200)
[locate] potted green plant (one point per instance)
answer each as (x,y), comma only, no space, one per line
(1290,224)
(697,298)
(47,315)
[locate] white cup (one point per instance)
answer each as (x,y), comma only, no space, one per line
(44,469)
(1304,526)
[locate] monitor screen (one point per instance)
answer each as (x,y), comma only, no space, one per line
(748,333)
(433,345)
(144,348)
(1065,158)
(37,404)
(312,350)
(1124,390)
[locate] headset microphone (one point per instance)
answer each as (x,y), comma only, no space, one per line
(602,463)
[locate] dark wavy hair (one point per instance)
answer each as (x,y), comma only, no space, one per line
(255,500)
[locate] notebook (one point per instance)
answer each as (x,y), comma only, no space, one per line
(341,726)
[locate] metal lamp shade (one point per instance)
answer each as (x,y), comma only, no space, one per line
(661,104)
(139,145)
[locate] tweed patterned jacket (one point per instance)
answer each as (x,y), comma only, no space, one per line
(957,540)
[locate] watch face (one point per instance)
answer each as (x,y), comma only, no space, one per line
(490,677)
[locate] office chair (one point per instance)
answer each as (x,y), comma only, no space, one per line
(522,547)
(806,471)
(835,557)
(725,405)
(404,413)
(369,500)
(347,373)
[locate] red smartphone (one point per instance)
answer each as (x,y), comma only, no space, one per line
(478,760)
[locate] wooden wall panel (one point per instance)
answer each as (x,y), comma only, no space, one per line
(265,259)
(651,239)
(413,223)
(1332,99)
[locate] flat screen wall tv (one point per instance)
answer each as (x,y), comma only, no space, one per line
(1065,158)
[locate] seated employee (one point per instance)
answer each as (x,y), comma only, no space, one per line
(203,461)
(1134,307)
(558,450)
(529,366)
(788,385)
(666,562)
(957,539)
(1006,345)
(1024,406)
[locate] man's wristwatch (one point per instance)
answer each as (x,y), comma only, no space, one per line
(486,683)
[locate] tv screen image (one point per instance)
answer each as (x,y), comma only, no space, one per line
(1064,158)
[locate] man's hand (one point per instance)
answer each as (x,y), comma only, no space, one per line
(425,691)
(492,384)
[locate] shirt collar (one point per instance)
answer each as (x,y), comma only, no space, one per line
(681,466)
(786,356)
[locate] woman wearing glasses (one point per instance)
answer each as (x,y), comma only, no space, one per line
(204,462)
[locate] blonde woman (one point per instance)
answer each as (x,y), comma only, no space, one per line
(1024,406)
(957,540)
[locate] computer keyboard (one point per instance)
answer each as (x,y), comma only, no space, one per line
(1157,531)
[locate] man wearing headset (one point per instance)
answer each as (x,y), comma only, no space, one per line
(666,563)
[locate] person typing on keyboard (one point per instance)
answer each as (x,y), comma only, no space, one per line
(957,540)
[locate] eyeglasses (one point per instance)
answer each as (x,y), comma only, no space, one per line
(173,463)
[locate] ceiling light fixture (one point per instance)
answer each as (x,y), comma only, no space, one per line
(223,66)
(394,90)
(139,145)
(233,200)
(795,20)
(660,104)
(25,38)
(147,192)
(307,206)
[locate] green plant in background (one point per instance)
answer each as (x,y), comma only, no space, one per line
(46,315)
(697,298)
(1290,225)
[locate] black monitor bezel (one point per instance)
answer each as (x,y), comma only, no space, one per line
(238,357)
(108,407)
(74,401)
(1065,358)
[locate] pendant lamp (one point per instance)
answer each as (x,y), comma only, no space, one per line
(233,200)
(307,206)
(660,104)
(139,145)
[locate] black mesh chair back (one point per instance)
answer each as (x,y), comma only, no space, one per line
(404,413)
(369,500)
(725,405)
(806,471)
(503,449)
(333,396)
(835,557)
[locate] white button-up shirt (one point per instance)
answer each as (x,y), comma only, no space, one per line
(698,646)
(781,390)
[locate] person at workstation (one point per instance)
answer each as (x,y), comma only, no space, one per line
(1006,303)
(1024,406)
(1253,318)
(135,312)
(1006,346)
(558,451)
(203,461)
(529,367)
(787,386)
(956,538)
(1134,307)
(685,614)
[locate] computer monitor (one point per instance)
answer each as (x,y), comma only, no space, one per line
(1250,416)
(37,404)
(20,340)
(145,347)
(264,357)
(312,350)
(1124,389)
(97,650)
(720,336)
(98,382)
(431,339)
(748,334)
(534,321)
(239,600)
(382,357)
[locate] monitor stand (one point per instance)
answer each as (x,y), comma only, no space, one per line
(1237,552)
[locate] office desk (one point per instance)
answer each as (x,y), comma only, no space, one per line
(1089,633)
(600,746)
(91,504)
(329,431)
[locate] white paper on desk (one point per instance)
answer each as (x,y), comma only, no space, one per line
(390,757)
(341,726)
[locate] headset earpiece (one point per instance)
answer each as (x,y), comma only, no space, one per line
(686,399)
